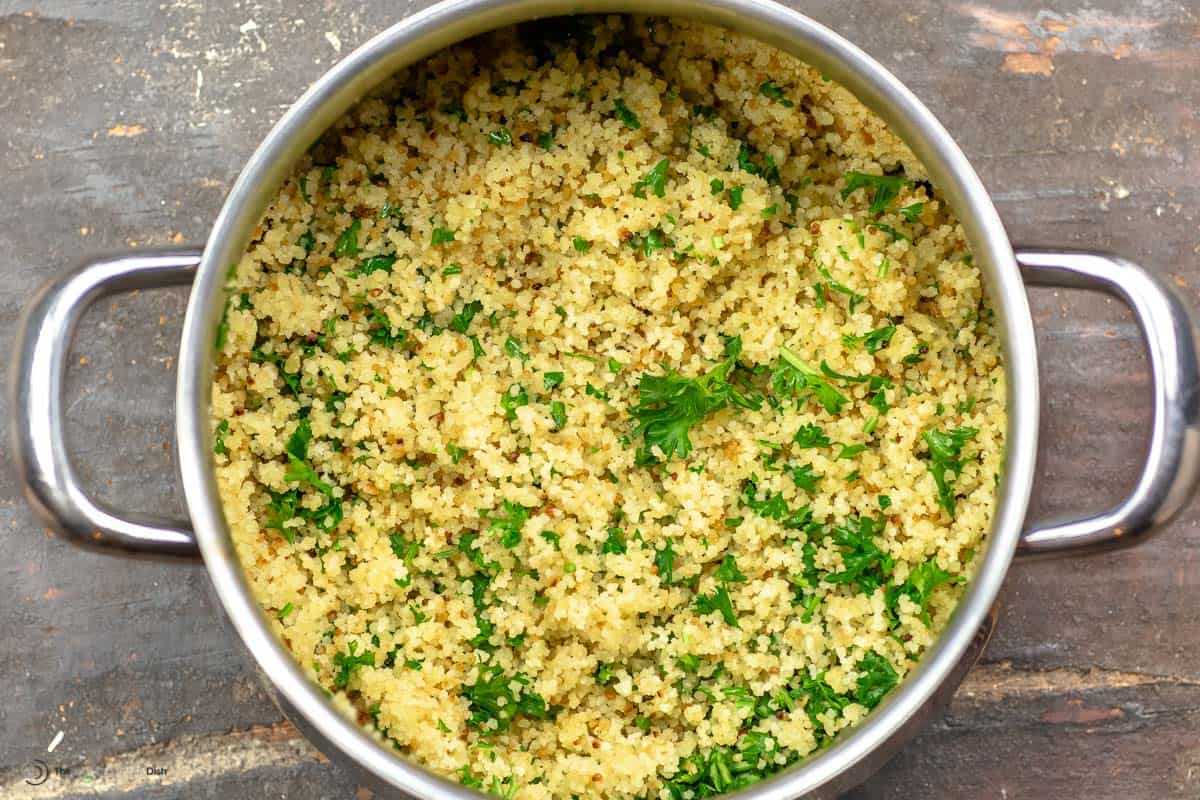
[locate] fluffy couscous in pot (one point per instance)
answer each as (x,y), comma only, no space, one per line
(608,407)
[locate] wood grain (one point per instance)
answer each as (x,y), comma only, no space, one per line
(124,123)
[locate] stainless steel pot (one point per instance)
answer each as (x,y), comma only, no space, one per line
(53,489)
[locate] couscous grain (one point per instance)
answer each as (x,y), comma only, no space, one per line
(608,408)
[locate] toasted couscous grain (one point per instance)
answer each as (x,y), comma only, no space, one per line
(608,408)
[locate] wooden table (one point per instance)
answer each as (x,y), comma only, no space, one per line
(123,123)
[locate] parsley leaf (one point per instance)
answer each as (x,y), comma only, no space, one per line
(347,241)
(864,563)
(297,443)
(874,341)
(945,460)
(615,543)
(877,679)
(372,264)
(774,91)
(670,405)
(804,477)
(664,561)
(558,413)
(508,524)
(921,582)
(514,398)
(728,571)
(884,188)
(496,699)
(655,180)
(735,197)
(811,436)
(627,117)
(500,136)
(513,348)
(791,376)
(718,601)
(841,288)
(380,330)
(462,320)
(455,452)
(219,447)
(349,663)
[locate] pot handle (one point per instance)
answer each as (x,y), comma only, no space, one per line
(1172,466)
(39,364)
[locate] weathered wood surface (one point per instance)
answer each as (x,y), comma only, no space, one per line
(123,123)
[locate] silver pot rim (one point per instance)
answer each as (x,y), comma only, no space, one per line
(446,23)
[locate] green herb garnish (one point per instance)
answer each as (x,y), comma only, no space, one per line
(884,188)
(347,241)
(655,180)
(627,117)
(945,460)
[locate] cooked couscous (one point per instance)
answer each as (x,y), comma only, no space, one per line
(608,408)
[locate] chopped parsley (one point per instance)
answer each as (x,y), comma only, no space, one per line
(883,188)
(627,117)
(380,330)
(728,571)
(919,586)
(945,460)
(670,405)
(219,447)
(347,241)
(865,564)
(650,242)
(664,562)
(299,470)
(514,398)
(462,320)
(558,413)
(513,348)
(874,341)
(767,170)
(496,699)
(774,91)
(717,601)
(810,436)
(372,264)
(580,244)
(441,236)
(841,288)
(792,377)
(500,136)
(735,197)
(877,678)
(349,663)
(655,180)
(803,477)
(615,543)
(509,524)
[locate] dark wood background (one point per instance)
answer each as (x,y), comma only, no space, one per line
(123,123)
